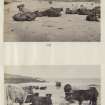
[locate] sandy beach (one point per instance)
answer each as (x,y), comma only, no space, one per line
(58,93)
(62,29)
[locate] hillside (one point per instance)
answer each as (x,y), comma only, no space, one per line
(60,0)
(74,0)
(9,78)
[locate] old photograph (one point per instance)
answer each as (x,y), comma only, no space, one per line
(52,85)
(52,21)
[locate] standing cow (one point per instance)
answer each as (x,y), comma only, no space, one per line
(88,95)
(68,91)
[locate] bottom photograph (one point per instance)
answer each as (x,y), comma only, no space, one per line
(52,85)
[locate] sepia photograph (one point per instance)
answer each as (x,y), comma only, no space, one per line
(52,21)
(52,85)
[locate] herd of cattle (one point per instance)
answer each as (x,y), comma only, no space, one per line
(92,14)
(71,96)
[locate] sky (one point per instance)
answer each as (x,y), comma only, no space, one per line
(56,71)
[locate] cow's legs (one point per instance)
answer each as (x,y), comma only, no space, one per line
(90,102)
(94,103)
(80,102)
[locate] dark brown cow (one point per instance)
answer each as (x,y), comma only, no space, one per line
(69,11)
(43,88)
(81,95)
(94,15)
(27,16)
(52,12)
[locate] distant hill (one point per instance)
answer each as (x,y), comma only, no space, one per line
(9,78)
(74,0)
(62,0)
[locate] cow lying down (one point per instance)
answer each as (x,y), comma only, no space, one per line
(27,16)
(92,17)
(84,95)
(52,12)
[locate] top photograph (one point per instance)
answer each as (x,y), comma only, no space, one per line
(52,21)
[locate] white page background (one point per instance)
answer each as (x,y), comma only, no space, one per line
(48,53)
